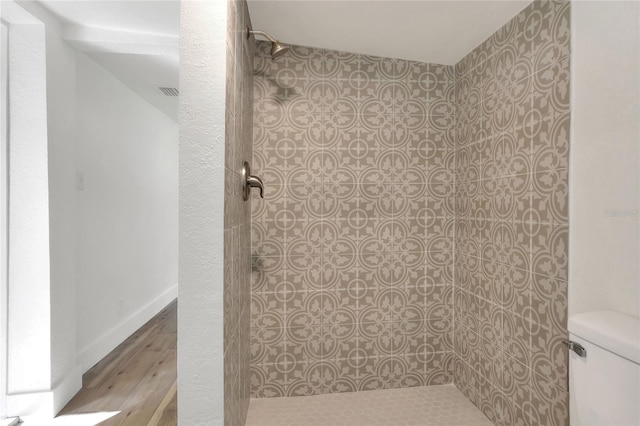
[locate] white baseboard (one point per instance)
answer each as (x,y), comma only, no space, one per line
(37,404)
(92,353)
(45,404)
(65,390)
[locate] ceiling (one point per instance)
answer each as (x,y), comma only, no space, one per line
(144,16)
(137,40)
(428,31)
(144,74)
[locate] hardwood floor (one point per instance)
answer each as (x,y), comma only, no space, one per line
(138,378)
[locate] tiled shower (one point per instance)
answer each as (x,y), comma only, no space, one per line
(414,225)
(353,244)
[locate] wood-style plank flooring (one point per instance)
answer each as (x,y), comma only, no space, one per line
(138,378)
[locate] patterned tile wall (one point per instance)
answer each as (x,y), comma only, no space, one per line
(237,223)
(512,143)
(352,246)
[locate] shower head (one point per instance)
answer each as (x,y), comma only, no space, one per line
(277,48)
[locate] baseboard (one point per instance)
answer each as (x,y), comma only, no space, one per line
(45,404)
(65,390)
(34,404)
(99,348)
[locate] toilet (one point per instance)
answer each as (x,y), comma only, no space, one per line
(604,369)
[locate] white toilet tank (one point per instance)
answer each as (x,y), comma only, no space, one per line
(605,384)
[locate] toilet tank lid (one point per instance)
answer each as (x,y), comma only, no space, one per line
(613,331)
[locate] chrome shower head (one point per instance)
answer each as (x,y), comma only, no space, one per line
(277,48)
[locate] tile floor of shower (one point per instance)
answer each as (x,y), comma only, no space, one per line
(425,406)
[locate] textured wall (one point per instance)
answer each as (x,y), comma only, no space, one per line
(512,138)
(237,219)
(352,245)
(28,309)
(203,49)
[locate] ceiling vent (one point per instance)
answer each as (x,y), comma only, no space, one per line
(169,91)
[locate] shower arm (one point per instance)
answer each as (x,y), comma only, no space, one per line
(262,33)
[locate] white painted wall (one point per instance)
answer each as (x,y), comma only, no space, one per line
(605,157)
(29,209)
(127,215)
(4,198)
(43,302)
(29,379)
(64,376)
(203,27)
(61,113)
(116,239)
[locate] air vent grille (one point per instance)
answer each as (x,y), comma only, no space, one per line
(169,91)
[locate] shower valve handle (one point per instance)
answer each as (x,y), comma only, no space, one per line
(249,182)
(256,182)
